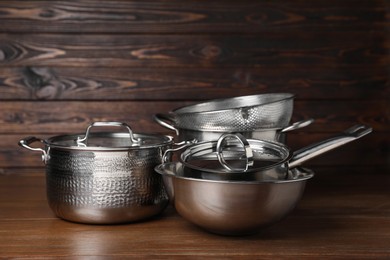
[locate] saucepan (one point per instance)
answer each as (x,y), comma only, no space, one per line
(103,177)
(233,157)
(226,201)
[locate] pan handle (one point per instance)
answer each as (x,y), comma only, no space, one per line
(26,142)
(166,121)
(311,151)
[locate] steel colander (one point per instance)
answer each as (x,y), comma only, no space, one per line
(244,113)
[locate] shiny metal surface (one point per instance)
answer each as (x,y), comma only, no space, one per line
(248,153)
(311,151)
(105,187)
(232,207)
(107,180)
(271,160)
(84,140)
(271,135)
(278,134)
(244,113)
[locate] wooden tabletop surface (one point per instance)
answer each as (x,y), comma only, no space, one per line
(343,213)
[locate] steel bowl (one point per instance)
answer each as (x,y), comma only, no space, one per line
(232,207)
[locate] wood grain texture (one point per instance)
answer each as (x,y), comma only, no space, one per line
(334,219)
(193,17)
(288,49)
(91,83)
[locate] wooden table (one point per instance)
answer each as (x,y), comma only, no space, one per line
(344,213)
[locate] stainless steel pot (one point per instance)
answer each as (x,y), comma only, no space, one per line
(233,207)
(272,134)
(234,157)
(104,177)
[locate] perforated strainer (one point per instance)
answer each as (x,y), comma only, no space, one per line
(244,113)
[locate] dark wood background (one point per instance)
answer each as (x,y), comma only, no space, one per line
(65,64)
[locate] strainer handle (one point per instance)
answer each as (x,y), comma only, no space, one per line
(166,121)
(245,145)
(83,140)
(298,125)
(180,146)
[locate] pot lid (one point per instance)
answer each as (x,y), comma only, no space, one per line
(109,140)
(232,153)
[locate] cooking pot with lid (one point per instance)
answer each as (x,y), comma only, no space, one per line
(104,177)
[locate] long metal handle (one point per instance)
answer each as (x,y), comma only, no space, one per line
(247,149)
(165,120)
(311,151)
(26,142)
(84,140)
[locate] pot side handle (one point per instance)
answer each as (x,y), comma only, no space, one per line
(26,142)
(166,121)
(311,151)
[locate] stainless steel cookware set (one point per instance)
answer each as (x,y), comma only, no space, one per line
(234,174)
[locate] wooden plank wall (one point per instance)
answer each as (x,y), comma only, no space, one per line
(64,64)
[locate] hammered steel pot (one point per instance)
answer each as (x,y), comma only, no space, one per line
(104,177)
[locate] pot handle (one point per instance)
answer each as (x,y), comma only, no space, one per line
(311,151)
(242,140)
(181,145)
(26,142)
(166,121)
(82,141)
